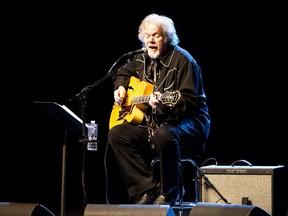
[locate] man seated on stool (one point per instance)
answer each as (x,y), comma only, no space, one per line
(175,116)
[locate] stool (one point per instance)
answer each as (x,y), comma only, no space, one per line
(181,205)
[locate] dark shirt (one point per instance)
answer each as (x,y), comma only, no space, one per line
(177,70)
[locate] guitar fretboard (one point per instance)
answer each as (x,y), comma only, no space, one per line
(141,99)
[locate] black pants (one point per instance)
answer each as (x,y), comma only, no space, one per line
(134,155)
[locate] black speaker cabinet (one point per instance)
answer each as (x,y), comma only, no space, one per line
(215,209)
(261,186)
(128,210)
(23,209)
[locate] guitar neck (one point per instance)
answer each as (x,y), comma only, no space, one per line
(166,98)
(141,99)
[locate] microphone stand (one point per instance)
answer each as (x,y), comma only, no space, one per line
(82,96)
(111,72)
(209,184)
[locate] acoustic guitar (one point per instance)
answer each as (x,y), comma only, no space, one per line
(134,105)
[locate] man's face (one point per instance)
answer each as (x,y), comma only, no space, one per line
(154,40)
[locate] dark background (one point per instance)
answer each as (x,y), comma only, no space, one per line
(56,49)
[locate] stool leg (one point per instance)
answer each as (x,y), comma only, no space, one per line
(181,190)
(181,204)
(197,182)
(196,178)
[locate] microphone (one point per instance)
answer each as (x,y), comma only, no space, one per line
(142,50)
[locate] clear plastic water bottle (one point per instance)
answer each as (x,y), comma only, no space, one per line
(92,135)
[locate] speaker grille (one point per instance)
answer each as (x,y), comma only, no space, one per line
(23,209)
(234,188)
(213,209)
(260,186)
(128,210)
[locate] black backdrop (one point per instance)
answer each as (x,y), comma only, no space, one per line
(56,49)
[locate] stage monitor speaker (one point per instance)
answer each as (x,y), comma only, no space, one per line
(23,209)
(261,186)
(128,210)
(214,209)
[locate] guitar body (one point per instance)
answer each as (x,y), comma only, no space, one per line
(115,118)
(131,110)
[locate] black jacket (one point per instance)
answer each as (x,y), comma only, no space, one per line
(177,71)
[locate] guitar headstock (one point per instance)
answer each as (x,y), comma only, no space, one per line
(170,97)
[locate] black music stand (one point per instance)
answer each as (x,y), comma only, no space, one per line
(69,121)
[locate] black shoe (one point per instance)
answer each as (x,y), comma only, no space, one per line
(148,197)
(168,199)
(165,200)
